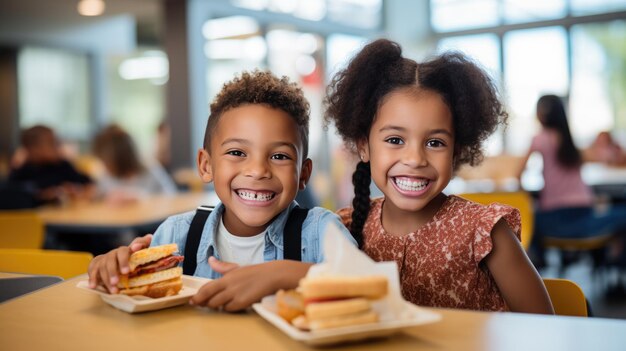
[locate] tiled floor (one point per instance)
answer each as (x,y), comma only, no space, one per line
(606,296)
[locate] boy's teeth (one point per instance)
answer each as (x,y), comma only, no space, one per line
(411,185)
(254,196)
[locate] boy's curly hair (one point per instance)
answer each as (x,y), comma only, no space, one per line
(261,87)
(356,93)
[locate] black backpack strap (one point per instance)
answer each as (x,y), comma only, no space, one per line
(292,234)
(193,238)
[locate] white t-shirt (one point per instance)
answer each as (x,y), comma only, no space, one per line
(240,249)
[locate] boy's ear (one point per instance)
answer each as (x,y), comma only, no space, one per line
(204,166)
(363,150)
(305,173)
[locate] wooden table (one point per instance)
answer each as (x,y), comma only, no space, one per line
(106,218)
(63,317)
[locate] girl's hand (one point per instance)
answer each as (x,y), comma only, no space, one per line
(240,287)
(105,269)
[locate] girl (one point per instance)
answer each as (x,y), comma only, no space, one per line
(126,178)
(412,126)
(566,203)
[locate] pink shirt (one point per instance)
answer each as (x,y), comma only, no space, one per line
(563,187)
(441,264)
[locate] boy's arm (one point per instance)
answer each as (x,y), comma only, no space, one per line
(239,288)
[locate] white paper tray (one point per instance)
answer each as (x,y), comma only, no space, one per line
(416,316)
(137,304)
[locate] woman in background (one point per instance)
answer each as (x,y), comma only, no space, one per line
(566,203)
(126,178)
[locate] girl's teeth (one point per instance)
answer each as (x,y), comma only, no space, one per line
(254,196)
(411,185)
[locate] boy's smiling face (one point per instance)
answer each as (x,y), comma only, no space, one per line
(256,164)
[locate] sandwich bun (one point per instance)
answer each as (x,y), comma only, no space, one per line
(333,287)
(336,308)
(343,321)
(150,254)
(156,290)
(154,272)
(150,278)
(332,301)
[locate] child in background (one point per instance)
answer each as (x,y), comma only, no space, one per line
(255,153)
(126,178)
(413,125)
(52,178)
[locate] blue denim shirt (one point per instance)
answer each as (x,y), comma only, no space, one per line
(175,229)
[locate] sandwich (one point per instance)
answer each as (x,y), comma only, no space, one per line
(154,272)
(332,301)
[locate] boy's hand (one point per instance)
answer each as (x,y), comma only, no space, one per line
(221,267)
(104,269)
(240,287)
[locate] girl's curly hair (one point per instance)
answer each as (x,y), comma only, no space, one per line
(355,94)
(261,87)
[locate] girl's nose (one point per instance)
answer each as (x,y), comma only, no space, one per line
(414,157)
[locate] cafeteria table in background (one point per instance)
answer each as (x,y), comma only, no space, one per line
(101,221)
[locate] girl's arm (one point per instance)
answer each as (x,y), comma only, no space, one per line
(516,277)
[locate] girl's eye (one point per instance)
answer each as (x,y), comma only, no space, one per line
(394,140)
(280,157)
(435,143)
(237,153)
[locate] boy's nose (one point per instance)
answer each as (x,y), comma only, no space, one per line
(257,168)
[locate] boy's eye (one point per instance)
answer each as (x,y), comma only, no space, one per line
(280,157)
(235,153)
(435,143)
(394,140)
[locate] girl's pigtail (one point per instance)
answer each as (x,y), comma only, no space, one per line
(361,179)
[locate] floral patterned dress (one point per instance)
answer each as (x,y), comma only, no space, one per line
(440,264)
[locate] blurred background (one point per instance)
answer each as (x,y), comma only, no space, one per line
(78,65)
(153,66)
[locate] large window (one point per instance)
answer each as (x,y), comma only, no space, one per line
(54,90)
(535,64)
(598,90)
(357,13)
(448,15)
(572,48)
(136,94)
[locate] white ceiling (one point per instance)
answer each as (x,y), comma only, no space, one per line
(54,15)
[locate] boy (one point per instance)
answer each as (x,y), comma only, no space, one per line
(255,152)
(50,177)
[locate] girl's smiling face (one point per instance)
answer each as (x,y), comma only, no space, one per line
(410,148)
(257,166)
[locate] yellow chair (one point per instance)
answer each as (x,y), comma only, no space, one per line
(567,297)
(64,264)
(518,199)
(21,230)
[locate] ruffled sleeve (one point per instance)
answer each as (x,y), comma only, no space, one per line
(488,216)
